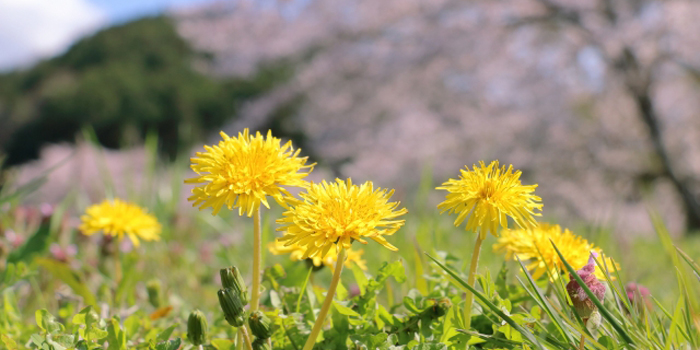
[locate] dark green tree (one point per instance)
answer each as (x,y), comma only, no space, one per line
(123,82)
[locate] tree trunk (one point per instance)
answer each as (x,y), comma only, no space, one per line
(648,114)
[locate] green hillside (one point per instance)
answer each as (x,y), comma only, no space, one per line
(123,82)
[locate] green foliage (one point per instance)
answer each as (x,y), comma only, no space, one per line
(87,330)
(124,82)
(406,300)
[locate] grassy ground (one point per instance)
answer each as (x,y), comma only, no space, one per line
(195,245)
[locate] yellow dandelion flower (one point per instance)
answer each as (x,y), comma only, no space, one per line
(240,172)
(336,214)
(296,253)
(491,195)
(118,218)
(533,245)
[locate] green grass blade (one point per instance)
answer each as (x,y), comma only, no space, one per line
(421,282)
(543,303)
(617,293)
(625,298)
(488,303)
(683,287)
(303,288)
(25,189)
(577,326)
(676,326)
(690,262)
(32,185)
(603,310)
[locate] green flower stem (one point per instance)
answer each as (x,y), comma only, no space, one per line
(117,264)
(469,297)
(311,340)
(257,252)
(246,337)
(582,344)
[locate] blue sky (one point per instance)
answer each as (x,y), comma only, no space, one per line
(123,10)
(31,30)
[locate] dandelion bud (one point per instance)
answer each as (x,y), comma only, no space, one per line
(582,303)
(260,325)
(153,287)
(440,307)
(197,328)
(231,279)
(261,344)
(232,306)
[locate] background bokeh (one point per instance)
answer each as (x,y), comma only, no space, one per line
(596,101)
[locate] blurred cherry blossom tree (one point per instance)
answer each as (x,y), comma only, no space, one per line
(596,100)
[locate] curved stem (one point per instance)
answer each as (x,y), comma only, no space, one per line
(582,344)
(469,297)
(311,340)
(257,252)
(246,338)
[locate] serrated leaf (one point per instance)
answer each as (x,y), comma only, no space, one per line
(96,333)
(341,293)
(344,310)
(165,334)
(394,269)
(47,322)
(360,278)
(169,345)
(273,274)
(65,340)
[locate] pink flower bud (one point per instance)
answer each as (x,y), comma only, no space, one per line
(638,294)
(582,303)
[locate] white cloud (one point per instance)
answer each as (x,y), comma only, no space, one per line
(34,29)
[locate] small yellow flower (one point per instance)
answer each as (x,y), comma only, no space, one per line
(118,218)
(534,245)
(491,195)
(242,171)
(336,214)
(296,253)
